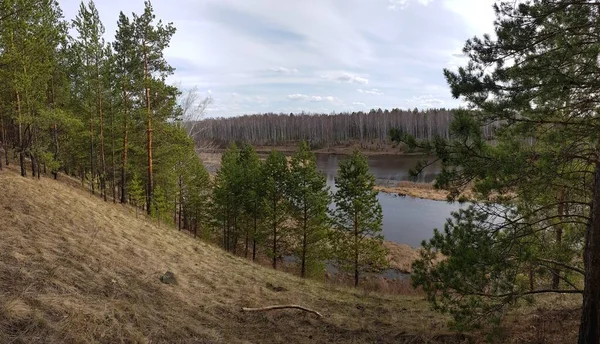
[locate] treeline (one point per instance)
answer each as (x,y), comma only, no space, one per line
(325,129)
(71,102)
(280,209)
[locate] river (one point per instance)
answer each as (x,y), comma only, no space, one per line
(406,220)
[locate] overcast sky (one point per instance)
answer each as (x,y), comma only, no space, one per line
(255,56)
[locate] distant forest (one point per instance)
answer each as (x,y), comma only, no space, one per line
(325,129)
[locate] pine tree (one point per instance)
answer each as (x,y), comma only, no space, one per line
(275,175)
(126,73)
(535,83)
(90,50)
(197,194)
(358,219)
(136,194)
(226,197)
(151,40)
(309,200)
(251,198)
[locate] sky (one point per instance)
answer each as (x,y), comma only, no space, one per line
(257,56)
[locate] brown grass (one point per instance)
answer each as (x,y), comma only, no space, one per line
(417,190)
(74,269)
(401,256)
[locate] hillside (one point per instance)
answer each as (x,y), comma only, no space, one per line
(75,269)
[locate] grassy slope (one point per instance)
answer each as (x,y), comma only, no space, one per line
(75,269)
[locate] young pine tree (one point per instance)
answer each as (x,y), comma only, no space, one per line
(275,174)
(309,200)
(357,219)
(136,192)
(251,198)
(226,197)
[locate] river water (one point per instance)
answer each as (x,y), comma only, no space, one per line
(406,220)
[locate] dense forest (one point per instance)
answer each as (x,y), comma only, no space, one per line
(324,129)
(76,104)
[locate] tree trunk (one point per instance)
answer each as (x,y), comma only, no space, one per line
(102,157)
(21,148)
(4,144)
(559,232)
(92,186)
(355,249)
(275,234)
(124,157)
(112,155)
(247,240)
(303,268)
(150,186)
(55,137)
(179,224)
(589,330)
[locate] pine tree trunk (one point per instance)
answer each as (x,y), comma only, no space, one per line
(112,155)
(589,330)
(150,186)
(247,241)
(4,144)
(355,249)
(124,156)
(102,157)
(92,187)
(21,148)
(179,224)
(254,239)
(559,232)
(55,137)
(275,234)
(54,133)
(303,268)
(3,140)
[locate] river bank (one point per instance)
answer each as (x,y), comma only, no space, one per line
(212,162)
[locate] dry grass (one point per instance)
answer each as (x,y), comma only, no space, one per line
(74,269)
(401,256)
(417,190)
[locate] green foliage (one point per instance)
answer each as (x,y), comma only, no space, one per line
(357,240)
(309,200)
(136,191)
(251,199)
(528,88)
(275,175)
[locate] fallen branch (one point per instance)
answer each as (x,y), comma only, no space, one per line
(270,308)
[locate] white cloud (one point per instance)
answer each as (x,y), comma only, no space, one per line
(321,99)
(313,99)
(425,101)
(401,4)
(372,91)
(297,96)
(346,78)
(349,78)
(359,104)
(283,70)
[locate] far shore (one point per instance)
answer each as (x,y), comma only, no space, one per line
(365,149)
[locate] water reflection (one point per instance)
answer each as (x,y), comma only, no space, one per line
(406,220)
